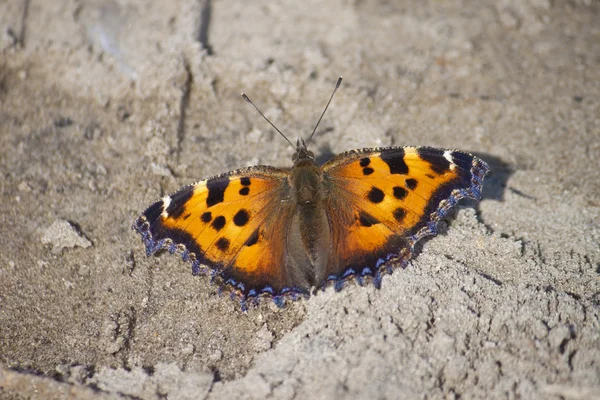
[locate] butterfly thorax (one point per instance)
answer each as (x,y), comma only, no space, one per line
(306,182)
(305,177)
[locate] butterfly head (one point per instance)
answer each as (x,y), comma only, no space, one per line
(302,154)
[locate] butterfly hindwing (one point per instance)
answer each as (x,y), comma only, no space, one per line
(231,223)
(381,201)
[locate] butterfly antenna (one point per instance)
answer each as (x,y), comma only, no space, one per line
(337,85)
(267,119)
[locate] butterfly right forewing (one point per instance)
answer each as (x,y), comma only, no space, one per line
(381,201)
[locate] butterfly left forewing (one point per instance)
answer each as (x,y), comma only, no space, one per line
(231,223)
(381,201)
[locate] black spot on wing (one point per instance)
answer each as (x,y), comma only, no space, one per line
(365,161)
(222,244)
(399,214)
(218,223)
(153,212)
(241,218)
(435,158)
(177,205)
(368,171)
(394,158)
(252,239)
(400,193)
(245,181)
(375,195)
(244,191)
(411,183)
(216,190)
(206,217)
(367,219)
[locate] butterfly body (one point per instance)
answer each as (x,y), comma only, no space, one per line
(280,232)
(308,233)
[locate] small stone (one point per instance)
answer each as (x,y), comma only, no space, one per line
(188,349)
(83,270)
(558,336)
(539,329)
(24,187)
(68,284)
(263,339)
(61,234)
(216,355)
(160,170)
(78,374)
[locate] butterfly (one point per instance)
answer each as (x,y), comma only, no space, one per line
(284,233)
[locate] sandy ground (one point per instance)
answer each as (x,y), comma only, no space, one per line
(105,106)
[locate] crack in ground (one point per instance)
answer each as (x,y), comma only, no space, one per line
(126,321)
(130,263)
(21,35)
(203,25)
(183,105)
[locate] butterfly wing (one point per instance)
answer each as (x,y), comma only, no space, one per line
(382,201)
(232,223)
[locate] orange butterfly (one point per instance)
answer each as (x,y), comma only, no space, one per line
(280,232)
